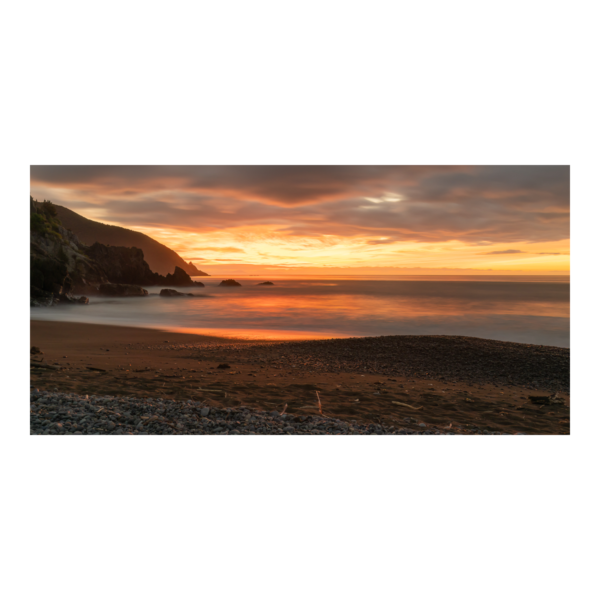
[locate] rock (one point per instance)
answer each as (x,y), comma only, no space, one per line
(121,289)
(171,293)
(266,283)
(180,278)
(85,288)
(60,265)
(224,366)
(49,274)
(118,264)
(35,350)
(39,298)
(229,283)
(546,400)
(205,412)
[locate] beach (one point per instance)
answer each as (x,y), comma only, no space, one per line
(434,384)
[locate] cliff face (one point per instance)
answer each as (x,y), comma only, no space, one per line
(61,266)
(123,265)
(159,257)
(127,266)
(57,260)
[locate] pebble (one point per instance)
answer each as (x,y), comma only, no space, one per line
(443,358)
(121,416)
(66,413)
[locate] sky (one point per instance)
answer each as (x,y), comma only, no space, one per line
(332,219)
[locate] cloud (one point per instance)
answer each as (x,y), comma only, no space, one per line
(227,249)
(286,185)
(471,204)
(505,252)
(383,241)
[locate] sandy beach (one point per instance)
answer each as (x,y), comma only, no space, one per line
(445,383)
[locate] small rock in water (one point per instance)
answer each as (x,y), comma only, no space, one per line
(229,283)
(224,366)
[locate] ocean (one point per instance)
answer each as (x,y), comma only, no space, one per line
(526,311)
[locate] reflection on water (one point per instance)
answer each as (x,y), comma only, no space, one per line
(529,312)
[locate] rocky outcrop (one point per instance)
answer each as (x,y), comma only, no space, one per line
(179,278)
(121,289)
(172,293)
(51,279)
(266,283)
(127,265)
(159,257)
(61,266)
(229,283)
(122,265)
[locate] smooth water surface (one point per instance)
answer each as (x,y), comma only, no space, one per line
(528,312)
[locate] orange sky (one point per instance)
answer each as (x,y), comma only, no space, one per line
(324,219)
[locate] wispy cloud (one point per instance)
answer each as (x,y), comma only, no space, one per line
(504,252)
(228,249)
(358,212)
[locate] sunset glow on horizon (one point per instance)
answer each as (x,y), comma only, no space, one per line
(332,219)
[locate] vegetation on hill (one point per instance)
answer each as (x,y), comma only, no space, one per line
(44,221)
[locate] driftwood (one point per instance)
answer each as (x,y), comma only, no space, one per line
(319,403)
(407,405)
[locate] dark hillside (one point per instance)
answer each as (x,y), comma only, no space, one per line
(159,257)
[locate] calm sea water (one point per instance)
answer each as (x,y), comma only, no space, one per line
(532,312)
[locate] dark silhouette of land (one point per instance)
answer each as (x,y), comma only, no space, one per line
(159,257)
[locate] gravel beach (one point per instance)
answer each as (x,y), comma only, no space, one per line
(379,385)
(55,413)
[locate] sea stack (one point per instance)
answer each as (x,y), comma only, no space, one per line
(266,283)
(172,293)
(229,283)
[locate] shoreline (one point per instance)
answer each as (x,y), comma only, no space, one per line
(464,384)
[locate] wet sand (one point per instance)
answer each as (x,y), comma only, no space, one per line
(450,383)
